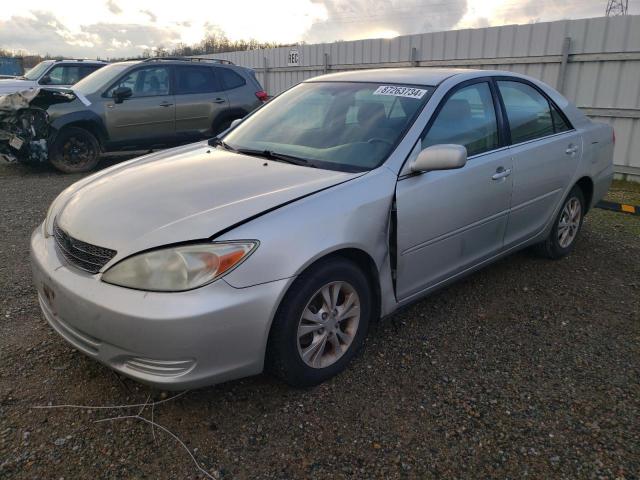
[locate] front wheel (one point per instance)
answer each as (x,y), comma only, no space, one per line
(321,324)
(75,150)
(566,228)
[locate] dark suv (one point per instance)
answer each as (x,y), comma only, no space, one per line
(146,104)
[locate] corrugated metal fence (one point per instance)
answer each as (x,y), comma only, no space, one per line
(593,62)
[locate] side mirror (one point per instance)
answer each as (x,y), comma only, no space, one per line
(235,123)
(440,157)
(46,80)
(120,93)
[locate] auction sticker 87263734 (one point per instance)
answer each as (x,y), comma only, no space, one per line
(400,91)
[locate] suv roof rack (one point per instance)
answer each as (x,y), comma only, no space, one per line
(78,60)
(190,59)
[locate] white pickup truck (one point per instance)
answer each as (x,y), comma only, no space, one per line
(58,73)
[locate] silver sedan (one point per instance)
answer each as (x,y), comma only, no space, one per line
(275,245)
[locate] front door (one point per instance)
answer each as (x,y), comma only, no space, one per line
(448,221)
(148,116)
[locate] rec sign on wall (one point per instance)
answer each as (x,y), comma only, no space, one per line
(293,59)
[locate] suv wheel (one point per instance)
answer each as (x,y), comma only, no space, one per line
(75,150)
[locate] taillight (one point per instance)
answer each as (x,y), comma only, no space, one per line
(262,96)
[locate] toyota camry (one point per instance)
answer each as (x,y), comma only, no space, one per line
(276,244)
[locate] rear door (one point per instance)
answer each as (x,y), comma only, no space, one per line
(450,220)
(148,116)
(200,101)
(546,151)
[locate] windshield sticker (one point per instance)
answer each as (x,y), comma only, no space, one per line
(408,92)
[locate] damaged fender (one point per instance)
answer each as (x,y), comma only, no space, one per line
(24,123)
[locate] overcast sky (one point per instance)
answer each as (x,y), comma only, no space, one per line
(118,28)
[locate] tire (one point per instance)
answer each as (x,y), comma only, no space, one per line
(560,241)
(286,351)
(75,150)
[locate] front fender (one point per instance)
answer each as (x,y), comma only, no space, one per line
(354,214)
(80,117)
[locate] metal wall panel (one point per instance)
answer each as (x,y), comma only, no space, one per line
(602,73)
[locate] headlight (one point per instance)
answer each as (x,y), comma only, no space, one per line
(179,268)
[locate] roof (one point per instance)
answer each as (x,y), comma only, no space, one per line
(189,59)
(78,60)
(410,76)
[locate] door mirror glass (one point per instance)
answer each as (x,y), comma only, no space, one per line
(46,80)
(120,93)
(440,157)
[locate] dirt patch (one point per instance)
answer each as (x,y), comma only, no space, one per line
(527,368)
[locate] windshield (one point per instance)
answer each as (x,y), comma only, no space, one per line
(100,78)
(38,70)
(345,126)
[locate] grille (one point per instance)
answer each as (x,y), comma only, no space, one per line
(84,256)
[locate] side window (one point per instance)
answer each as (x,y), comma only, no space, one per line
(528,111)
(195,80)
(230,79)
(559,123)
(467,118)
(145,82)
(64,75)
(87,70)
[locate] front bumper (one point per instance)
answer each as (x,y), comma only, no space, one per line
(169,340)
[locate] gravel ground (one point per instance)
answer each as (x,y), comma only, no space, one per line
(530,368)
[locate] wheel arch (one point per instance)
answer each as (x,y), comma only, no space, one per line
(586,185)
(227,115)
(367,265)
(86,120)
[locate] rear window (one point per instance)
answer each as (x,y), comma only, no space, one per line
(529,113)
(231,79)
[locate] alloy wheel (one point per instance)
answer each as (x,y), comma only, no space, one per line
(569,222)
(328,324)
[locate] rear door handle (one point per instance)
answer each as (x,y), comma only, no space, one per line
(218,100)
(166,104)
(571,149)
(501,172)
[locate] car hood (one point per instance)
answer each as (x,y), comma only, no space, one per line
(10,85)
(189,193)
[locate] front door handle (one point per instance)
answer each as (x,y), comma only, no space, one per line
(571,149)
(166,104)
(218,100)
(501,172)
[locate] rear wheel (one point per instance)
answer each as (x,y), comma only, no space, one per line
(75,150)
(566,228)
(321,324)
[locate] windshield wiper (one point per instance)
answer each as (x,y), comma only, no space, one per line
(271,155)
(215,142)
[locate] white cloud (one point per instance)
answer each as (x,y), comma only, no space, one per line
(113,7)
(356,19)
(124,28)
